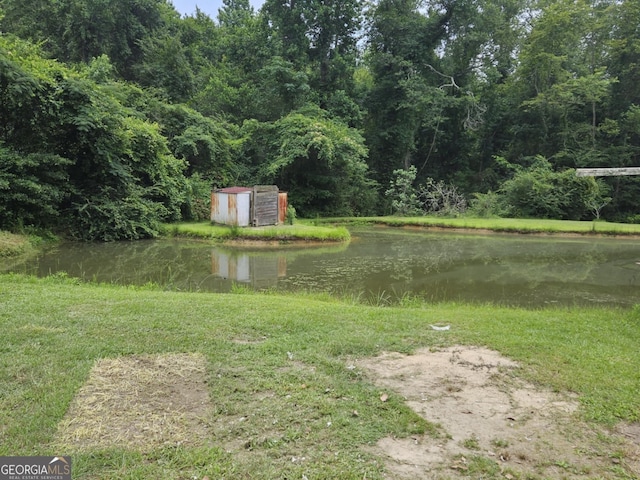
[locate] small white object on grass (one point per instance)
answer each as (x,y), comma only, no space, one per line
(436,327)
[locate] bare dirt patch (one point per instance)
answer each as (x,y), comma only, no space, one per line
(493,424)
(140,402)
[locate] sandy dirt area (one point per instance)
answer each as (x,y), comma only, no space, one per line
(492,424)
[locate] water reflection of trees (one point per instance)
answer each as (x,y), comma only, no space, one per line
(393,263)
(485,268)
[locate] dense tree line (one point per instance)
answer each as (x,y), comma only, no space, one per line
(116,116)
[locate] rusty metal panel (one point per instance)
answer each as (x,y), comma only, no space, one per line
(282,207)
(231,206)
(218,207)
(214,206)
(232,209)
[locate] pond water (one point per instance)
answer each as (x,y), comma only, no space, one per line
(380,265)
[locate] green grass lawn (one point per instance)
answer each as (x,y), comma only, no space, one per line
(280,362)
(279,233)
(515,225)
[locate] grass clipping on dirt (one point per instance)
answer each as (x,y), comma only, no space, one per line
(140,402)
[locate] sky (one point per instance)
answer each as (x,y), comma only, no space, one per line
(210,7)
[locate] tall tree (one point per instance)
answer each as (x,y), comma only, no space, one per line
(285,22)
(409,93)
(235,13)
(79,30)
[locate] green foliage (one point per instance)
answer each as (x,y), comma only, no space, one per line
(320,162)
(206,144)
(70,147)
(541,192)
(197,204)
(290,217)
(166,66)
(79,30)
(488,204)
(445,86)
(402,193)
(33,188)
(105,217)
(101,70)
(280,89)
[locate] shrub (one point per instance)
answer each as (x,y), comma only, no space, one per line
(197,204)
(403,196)
(290,217)
(490,204)
(103,218)
(541,192)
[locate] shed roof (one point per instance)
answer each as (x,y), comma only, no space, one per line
(234,190)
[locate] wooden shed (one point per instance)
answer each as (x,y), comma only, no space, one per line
(243,206)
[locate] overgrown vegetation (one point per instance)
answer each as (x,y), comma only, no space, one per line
(486,105)
(12,245)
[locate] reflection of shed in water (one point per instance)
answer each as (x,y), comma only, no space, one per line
(242,206)
(261,271)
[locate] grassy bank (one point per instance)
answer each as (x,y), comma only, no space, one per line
(13,245)
(508,225)
(277,371)
(280,233)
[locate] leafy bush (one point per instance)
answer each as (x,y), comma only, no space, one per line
(32,188)
(197,205)
(290,217)
(103,218)
(403,195)
(541,192)
(490,204)
(318,160)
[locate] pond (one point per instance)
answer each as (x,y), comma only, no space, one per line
(381,265)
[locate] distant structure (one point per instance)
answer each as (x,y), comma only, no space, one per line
(607,172)
(257,206)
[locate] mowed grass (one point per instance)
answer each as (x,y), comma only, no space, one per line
(277,233)
(284,396)
(514,225)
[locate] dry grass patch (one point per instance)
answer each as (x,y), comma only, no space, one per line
(140,402)
(12,245)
